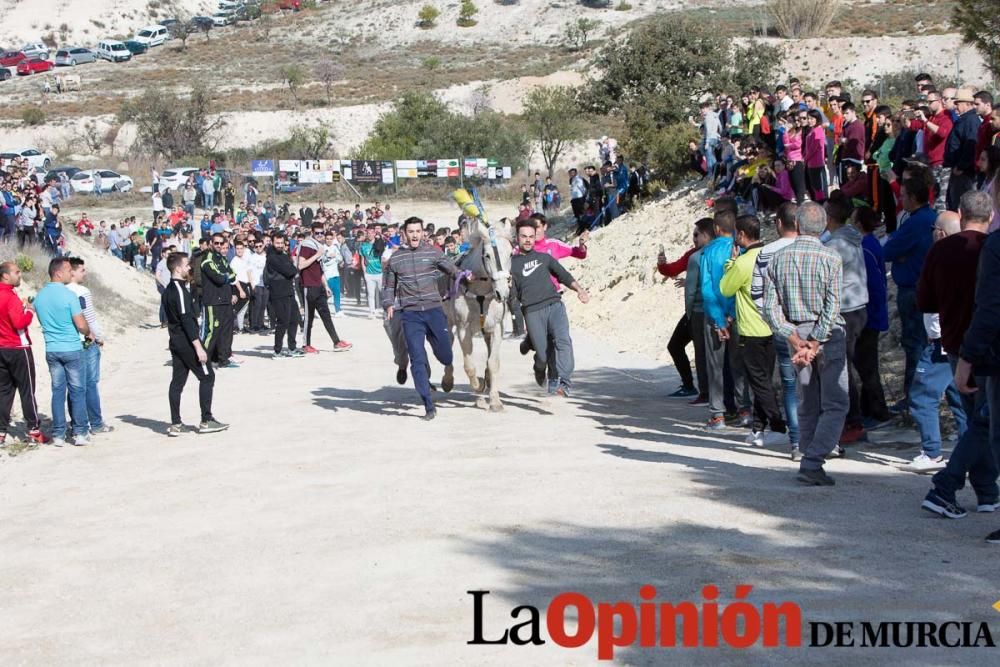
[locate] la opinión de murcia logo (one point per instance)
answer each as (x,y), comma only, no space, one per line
(708,624)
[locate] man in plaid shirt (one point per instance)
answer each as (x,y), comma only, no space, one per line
(802,303)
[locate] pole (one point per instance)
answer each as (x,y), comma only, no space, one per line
(461,172)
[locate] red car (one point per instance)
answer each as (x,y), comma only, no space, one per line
(33,66)
(11,58)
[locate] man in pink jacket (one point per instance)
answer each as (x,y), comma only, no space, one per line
(558,250)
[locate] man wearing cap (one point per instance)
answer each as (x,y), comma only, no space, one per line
(960,151)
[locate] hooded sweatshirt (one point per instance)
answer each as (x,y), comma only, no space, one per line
(846,242)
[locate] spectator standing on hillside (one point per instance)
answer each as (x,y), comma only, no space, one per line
(577,197)
(802,304)
(936,129)
(220,292)
(17,362)
(188,195)
(960,151)
(681,336)
(63,323)
(92,348)
(711,132)
(866,355)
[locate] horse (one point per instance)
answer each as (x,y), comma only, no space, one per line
(480,303)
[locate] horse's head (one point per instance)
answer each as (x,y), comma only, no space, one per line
(495,243)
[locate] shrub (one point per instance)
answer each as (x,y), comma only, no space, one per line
(664,150)
(466,11)
(427,16)
(802,18)
(979,23)
(25,263)
(170,126)
(578,31)
(33,116)
(623,6)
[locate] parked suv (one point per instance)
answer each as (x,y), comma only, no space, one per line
(35,50)
(74,55)
(152,35)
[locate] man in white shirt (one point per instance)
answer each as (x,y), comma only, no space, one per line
(243,269)
(259,300)
(331,262)
(91,348)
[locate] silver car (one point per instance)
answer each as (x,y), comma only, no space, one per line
(75,55)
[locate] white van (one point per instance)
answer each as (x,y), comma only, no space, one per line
(152,35)
(113,50)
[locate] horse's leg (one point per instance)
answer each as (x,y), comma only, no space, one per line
(465,340)
(493,366)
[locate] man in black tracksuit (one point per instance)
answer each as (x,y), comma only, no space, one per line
(279,274)
(544,312)
(219,294)
(186,351)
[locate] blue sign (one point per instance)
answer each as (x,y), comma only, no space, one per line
(262,167)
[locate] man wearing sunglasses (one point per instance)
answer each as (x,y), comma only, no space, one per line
(220,291)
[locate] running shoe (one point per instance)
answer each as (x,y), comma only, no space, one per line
(837,452)
(743,419)
(755,439)
(796,454)
(57,442)
(563,391)
(815,478)
(80,440)
(699,401)
(342,346)
(716,423)
(175,430)
(212,426)
(429,415)
(309,349)
(401,375)
(36,435)
(229,364)
(525,346)
(684,392)
(100,430)
(296,354)
(988,506)
(280,355)
(874,423)
(938,504)
(994,537)
(448,381)
(539,375)
(852,434)
(923,463)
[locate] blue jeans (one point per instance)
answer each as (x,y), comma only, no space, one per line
(432,326)
(67,371)
(92,366)
(978,451)
(334,285)
(913,336)
(932,378)
(788,379)
(709,148)
(209,200)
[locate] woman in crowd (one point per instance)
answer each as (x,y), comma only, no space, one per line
(793,140)
(814,155)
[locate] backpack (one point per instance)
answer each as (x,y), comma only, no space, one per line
(765,125)
(356,261)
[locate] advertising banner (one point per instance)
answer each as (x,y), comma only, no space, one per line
(366,171)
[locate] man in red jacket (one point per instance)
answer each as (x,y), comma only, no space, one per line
(17,365)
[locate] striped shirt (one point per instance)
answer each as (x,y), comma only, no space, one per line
(89,312)
(803,286)
(410,278)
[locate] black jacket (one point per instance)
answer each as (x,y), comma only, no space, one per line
(279,274)
(217,280)
(531,275)
(981,346)
(182,320)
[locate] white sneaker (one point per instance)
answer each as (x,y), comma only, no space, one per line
(755,439)
(924,463)
(988,507)
(81,440)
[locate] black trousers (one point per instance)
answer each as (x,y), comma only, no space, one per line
(676,347)
(25,235)
(218,341)
(814,181)
(315,302)
(17,373)
(872,401)
(515,313)
(185,361)
(797,174)
(758,362)
(258,308)
(286,320)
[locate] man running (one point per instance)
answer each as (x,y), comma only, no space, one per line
(17,363)
(544,312)
(315,291)
(411,278)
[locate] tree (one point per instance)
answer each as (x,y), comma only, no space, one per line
(979,23)
(432,64)
(183,28)
(578,31)
(327,72)
(554,120)
(293,76)
(427,16)
(466,12)
(169,126)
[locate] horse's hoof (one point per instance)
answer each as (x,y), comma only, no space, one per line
(496,407)
(482,404)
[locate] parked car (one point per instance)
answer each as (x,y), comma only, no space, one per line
(54,173)
(231,5)
(35,49)
(11,58)
(135,48)
(202,23)
(152,35)
(249,12)
(111,181)
(35,157)
(33,66)
(175,177)
(75,55)
(113,50)
(168,24)
(289,5)
(4,74)
(221,19)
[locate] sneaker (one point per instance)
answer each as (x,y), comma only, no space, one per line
(755,439)
(448,381)
(562,391)
(342,346)
(796,455)
(553,385)
(716,424)
(994,537)
(280,355)
(57,442)
(429,415)
(900,407)
(401,375)
(296,354)
(229,364)
(525,346)
(837,452)
(815,478)
(539,375)
(175,430)
(212,426)
(80,440)
(684,392)
(923,463)
(309,349)
(874,423)
(36,435)
(988,506)
(852,434)
(699,401)
(745,419)
(934,502)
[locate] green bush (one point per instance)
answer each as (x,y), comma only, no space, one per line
(467,10)
(664,150)
(25,263)
(33,116)
(797,19)
(427,16)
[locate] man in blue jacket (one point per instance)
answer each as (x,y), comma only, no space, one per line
(960,151)
(906,250)
(721,337)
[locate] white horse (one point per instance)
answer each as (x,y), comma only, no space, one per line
(481,303)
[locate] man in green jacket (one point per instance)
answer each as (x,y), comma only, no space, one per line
(756,337)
